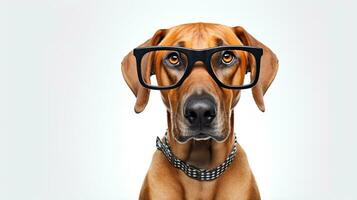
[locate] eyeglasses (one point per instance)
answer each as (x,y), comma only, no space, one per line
(172,65)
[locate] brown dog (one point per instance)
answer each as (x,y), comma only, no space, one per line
(163,181)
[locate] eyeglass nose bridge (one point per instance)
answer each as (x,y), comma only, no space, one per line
(200,56)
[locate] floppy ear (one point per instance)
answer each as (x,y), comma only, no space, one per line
(268,67)
(129,70)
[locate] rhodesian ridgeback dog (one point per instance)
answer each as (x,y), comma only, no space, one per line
(200,98)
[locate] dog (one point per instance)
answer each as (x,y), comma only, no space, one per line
(213,142)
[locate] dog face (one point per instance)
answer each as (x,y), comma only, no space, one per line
(199,109)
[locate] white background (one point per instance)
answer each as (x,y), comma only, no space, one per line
(68,129)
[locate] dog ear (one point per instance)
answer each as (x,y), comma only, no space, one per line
(129,70)
(268,67)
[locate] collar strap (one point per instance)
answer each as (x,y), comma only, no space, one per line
(192,171)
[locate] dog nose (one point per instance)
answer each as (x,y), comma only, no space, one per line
(200,110)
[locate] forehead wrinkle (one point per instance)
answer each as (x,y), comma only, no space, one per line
(216,41)
(169,39)
(195,36)
(180,44)
(200,35)
(226,34)
(180,36)
(232,38)
(219,42)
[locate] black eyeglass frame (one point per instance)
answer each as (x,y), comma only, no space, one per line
(194,55)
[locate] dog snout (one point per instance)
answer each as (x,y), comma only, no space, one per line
(200,111)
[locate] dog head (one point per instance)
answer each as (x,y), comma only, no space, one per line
(199,108)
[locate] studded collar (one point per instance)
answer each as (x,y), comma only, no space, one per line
(192,171)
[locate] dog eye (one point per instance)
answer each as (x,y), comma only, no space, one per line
(173,59)
(227,57)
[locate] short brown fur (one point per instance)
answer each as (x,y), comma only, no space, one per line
(163,181)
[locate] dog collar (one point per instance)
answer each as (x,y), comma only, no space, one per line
(192,171)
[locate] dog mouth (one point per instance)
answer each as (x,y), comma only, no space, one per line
(200,136)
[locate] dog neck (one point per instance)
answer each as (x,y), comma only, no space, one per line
(205,154)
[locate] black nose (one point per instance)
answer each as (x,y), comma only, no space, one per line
(200,110)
